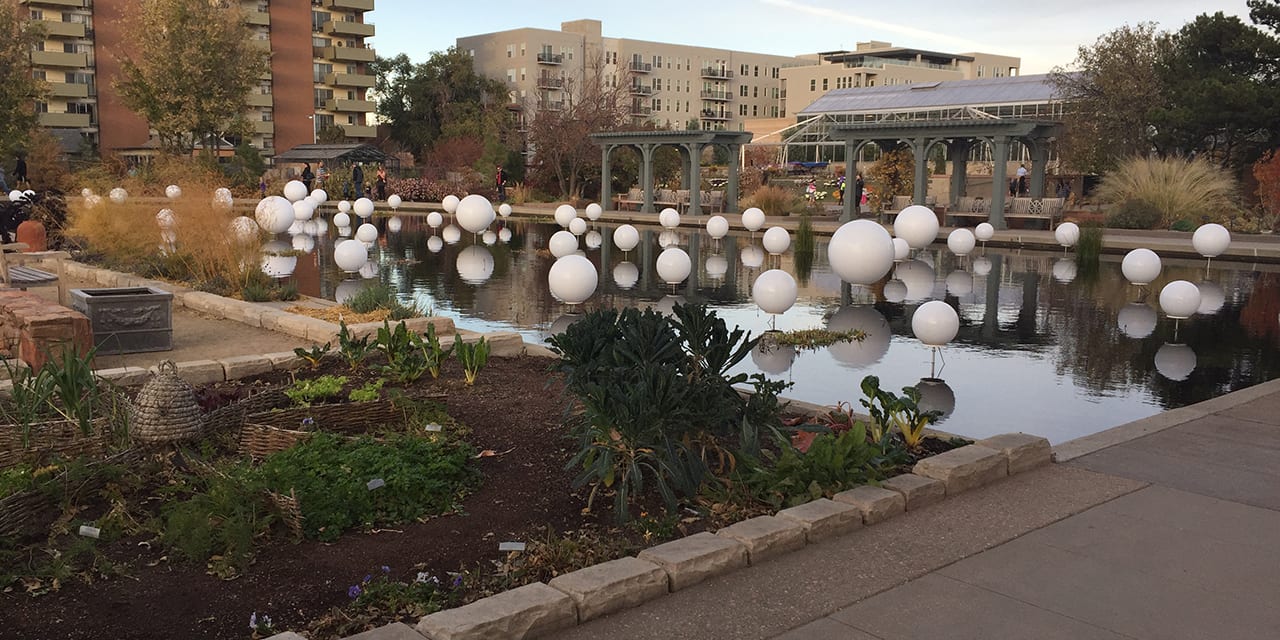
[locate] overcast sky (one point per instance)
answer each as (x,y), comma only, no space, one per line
(1044,34)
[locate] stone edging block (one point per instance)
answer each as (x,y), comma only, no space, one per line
(765,536)
(125,376)
(285,360)
(237,367)
(965,468)
(875,504)
(1023,451)
(612,586)
(823,518)
(393,631)
(918,491)
(695,558)
(197,372)
(524,612)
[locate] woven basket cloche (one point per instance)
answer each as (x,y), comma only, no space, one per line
(165,409)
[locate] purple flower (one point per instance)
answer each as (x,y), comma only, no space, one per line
(457,582)
(253,621)
(367,578)
(308,421)
(354,591)
(386,569)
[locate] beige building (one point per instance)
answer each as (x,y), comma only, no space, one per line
(319,71)
(670,84)
(877,64)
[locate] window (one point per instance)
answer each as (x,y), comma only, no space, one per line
(982,70)
(742,70)
(813,85)
(657,104)
(657,84)
(511,51)
(755,110)
(318,42)
(742,91)
(657,62)
(511,76)
(742,109)
(755,92)
(320,70)
(318,18)
(755,71)
(824,84)
(268,143)
(323,120)
(37,14)
(322,96)
(267,116)
(42,107)
(522,74)
(39,74)
(521,51)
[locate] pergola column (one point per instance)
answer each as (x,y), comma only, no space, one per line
(731,190)
(958,154)
(685,167)
(850,171)
(695,175)
(646,176)
(1039,165)
(999,180)
(606,178)
(919,149)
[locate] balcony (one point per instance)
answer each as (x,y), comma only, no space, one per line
(641,90)
(641,112)
(718,96)
(260,100)
(708,114)
(62,29)
(547,105)
(353,5)
(349,80)
(264,127)
(550,82)
(717,74)
(258,18)
(359,131)
(348,28)
(350,54)
(55,3)
(59,59)
(68,90)
(65,120)
(355,106)
(546,57)
(640,67)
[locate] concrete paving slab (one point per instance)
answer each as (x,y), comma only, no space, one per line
(1214,521)
(1239,430)
(942,607)
(826,629)
(820,579)
(1265,410)
(1115,597)
(1128,432)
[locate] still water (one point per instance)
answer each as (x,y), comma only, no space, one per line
(1045,346)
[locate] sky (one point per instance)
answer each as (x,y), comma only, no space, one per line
(1044,34)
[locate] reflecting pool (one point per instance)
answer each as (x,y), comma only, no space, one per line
(1046,346)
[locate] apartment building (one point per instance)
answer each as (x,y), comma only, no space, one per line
(874,63)
(670,85)
(319,72)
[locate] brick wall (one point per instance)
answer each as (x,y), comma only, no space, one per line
(34,328)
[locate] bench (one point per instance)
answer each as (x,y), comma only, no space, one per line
(14,274)
(634,198)
(902,202)
(979,209)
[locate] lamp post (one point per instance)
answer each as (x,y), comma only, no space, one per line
(314,129)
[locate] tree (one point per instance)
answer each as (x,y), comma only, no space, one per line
(331,134)
(563,153)
(191,73)
(1265,13)
(1267,172)
(18,88)
(1110,96)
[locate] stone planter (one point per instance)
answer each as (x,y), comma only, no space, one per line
(127,320)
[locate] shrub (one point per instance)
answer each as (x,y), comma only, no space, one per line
(379,297)
(1135,214)
(832,463)
(1174,187)
(773,200)
(304,392)
(472,355)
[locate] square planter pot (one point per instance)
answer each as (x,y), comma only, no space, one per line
(127,320)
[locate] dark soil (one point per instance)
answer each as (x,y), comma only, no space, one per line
(511,410)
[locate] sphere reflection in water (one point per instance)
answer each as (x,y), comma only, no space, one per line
(435,244)
(870,350)
(276,265)
(895,291)
(562,323)
(594,239)
(981,266)
(752,256)
(475,264)
(489,238)
(369,270)
(667,305)
(394,224)
(626,275)
(773,359)
(1212,297)
(1137,320)
(937,395)
(452,234)
(919,278)
(1175,361)
(349,288)
(504,235)
(668,238)
(1064,270)
(717,267)
(304,243)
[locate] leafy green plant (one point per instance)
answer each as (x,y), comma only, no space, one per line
(472,355)
(314,355)
(406,359)
(1089,246)
(370,391)
(352,349)
(256,292)
(306,391)
(834,462)
(1135,214)
(433,353)
(890,411)
(377,298)
(216,517)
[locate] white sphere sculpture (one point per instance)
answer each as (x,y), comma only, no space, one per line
(173,192)
(774,291)
(394,201)
(1175,361)
(564,214)
(674,265)
(984,231)
(752,256)
(450,203)
(294,190)
(1067,234)
(860,252)
(489,238)
(717,227)
(350,255)
(165,219)
(625,237)
(344,206)
(573,279)
(753,219)
(1140,266)
(1210,240)
(504,234)
(452,234)
(320,195)
(303,210)
(434,219)
(901,250)
(394,224)
(594,211)
(626,275)
(363,207)
(475,265)
(504,209)
(244,229)
(274,214)
(17,195)
(776,240)
(435,244)
(869,350)
(341,219)
(577,226)
(1137,320)
(593,239)
(222,200)
(669,218)
(935,323)
(562,243)
(367,233)
(475,213)
(1180,299)
(116,195)
(918,225)
(961,242)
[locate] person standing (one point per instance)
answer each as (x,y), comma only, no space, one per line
(381,182)
(20,173)
(500,182)
(307,176)
(321,174)
(4,186)
(858,193)
(357,179)
(1022,179)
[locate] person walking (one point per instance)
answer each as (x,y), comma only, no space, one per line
(4,186)
(307,176)
(1022,180)
(20,173)
(500,182)
(357,179)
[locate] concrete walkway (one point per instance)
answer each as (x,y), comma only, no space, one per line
(1167,535)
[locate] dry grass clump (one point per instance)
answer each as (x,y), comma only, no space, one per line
(773,200)
(1181,189)
(341,313)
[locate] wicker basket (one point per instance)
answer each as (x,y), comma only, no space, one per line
(290,511)
(165,409)
(259,441)
(43,439)
(29,513)
(232,417)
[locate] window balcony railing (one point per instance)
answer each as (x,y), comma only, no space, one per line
(640,67)
(641,90)
(550,82)
(547,57)
(716,74)
(708,114)
(718,96)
